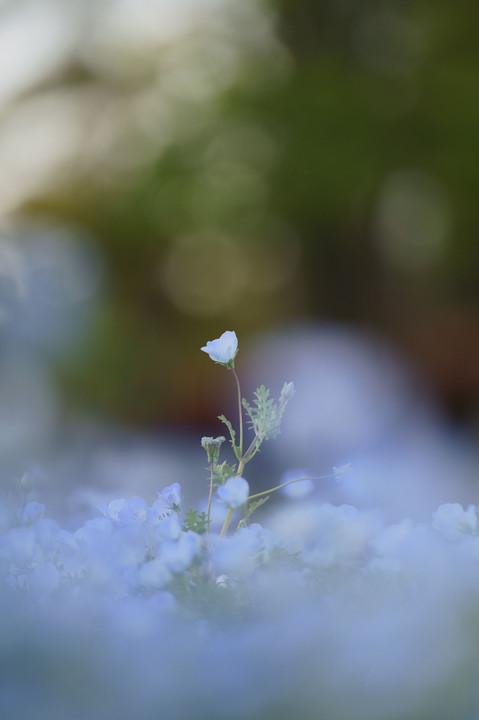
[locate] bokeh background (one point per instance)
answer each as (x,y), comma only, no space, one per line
(172,170)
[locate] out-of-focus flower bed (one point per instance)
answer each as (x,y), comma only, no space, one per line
(331,613)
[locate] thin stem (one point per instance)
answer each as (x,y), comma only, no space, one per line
(226,522)
(150,546)
(210,497)
(289,482)
(265,492)
(240,412)
(230,511)
(251,451)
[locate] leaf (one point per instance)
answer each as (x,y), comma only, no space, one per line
(198,522)
(264,416)
(250,509)
(232,434)
(223,472)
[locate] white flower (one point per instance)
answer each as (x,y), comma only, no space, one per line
(223,350)
(234,493)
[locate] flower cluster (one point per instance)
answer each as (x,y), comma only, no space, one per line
(321,577)
(135,546)
(132,547)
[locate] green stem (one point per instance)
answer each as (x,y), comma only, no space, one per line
(265,492)
(251,451)
(210,497)
(230,511)
(240,412)
(226,522)
(290,482)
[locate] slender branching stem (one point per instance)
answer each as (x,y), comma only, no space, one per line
(230,511)
(210,497)
(265,492)
(252,450)
(226,522)
(241,465)
(289,482)
(240,412)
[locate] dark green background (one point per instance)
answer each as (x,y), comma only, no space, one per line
(264,205)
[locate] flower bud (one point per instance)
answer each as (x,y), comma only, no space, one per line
(212,447)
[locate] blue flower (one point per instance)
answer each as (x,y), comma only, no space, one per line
(234,493)
(133,512)
(169,498)
(31,512)
(223,350)
(112,511)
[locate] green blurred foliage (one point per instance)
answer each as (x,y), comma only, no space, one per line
(286,160)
